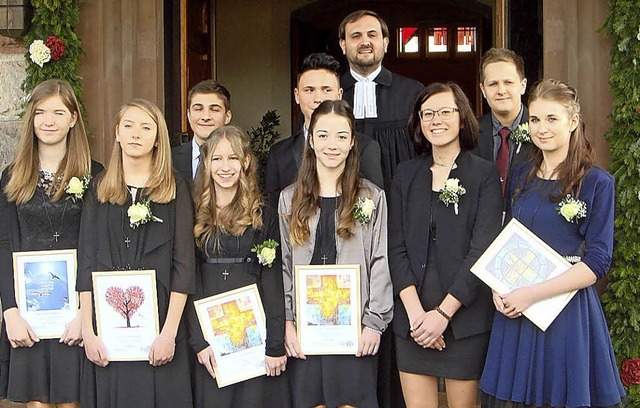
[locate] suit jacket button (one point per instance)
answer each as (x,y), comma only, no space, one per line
(423,266)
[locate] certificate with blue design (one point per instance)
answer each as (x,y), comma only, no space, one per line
(234,325)
(517,258)
(45,290)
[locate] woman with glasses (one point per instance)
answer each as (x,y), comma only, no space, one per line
(445,210)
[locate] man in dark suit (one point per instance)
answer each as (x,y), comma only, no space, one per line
(382,100)
(502,83)
(209,108)
(318,81)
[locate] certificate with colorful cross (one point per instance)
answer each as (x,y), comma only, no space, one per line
(234,324)
(328,308)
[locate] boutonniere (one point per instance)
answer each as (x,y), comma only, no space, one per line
(77,187)
(451,192)
(572,209)
(266,252)
(521,135)
(140,213)
(363,210)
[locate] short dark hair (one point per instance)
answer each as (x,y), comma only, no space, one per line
(356,15)
(468,124)
(209,86)
(320,60)
(501,55)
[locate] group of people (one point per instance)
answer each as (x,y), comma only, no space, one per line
(451,181)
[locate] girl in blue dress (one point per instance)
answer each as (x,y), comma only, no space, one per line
(568,202)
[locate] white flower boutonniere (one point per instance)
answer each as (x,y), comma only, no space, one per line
(266,252)
(77,187)
(39,53)
(363,209)
(572,209)
(451,192)
(521,135)
(140,213)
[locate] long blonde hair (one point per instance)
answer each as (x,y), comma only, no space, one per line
(161,186)
(25,165)
(246,207)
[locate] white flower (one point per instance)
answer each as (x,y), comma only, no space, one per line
(39,53)
(572,209)
(266,252)
(452,184)
(451,192)
(140,213)
(521,135)
(363,209)
(75,186)
(267,256)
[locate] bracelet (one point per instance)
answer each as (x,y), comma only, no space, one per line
(373,330)
(446,316)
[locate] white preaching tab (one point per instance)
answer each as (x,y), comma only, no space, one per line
(364,95)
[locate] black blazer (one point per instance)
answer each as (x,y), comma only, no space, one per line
(459,245)
(285,158)
(182,158)
(486,146)
(167,247)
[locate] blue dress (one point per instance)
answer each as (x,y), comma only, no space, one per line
(571,364)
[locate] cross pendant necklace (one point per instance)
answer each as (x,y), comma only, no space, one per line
(225,274)
(55,234)
(127,241)
(324,259)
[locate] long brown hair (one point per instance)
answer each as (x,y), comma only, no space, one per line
(306,197)
(580,156)
(25,165)
(161,186)
(246,207)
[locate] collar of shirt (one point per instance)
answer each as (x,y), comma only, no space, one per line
(496,125)
(370,78)
(195,156)
(305,132)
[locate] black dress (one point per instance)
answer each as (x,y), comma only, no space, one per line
(332,380)
(49,371)
(461,359)
(166,247)
(232,265)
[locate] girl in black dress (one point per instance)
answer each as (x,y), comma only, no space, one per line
(139,171)
(445,211)
(38,215)
(319,225)
(230,220)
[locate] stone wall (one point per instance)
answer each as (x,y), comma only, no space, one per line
(12,73)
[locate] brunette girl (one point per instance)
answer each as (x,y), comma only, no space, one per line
(318,226)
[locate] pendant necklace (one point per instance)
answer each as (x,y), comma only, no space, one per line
(127,239)
(325,247)
(56,233)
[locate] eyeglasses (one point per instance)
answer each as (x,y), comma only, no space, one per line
(444,113)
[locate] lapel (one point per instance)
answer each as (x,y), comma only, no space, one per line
(157,233)
(419,206)
(485,139)
(383,78)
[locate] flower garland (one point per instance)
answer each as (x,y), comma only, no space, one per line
(54,48)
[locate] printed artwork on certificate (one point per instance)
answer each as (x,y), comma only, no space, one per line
(45,289)
(126,313)
(47,285)
(328,300)
(234,325)
(328,315)
(518,264)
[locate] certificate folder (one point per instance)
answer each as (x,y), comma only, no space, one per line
(518,258)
